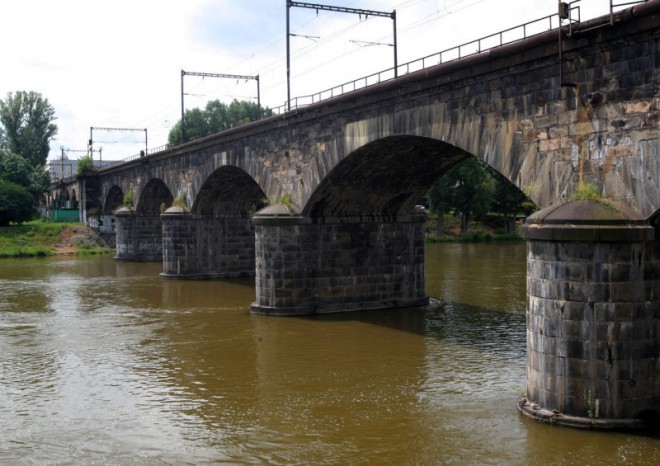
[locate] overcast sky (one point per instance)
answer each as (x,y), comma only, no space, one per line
(118,63)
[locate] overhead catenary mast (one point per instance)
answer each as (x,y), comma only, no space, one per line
(213,75)
(338,9)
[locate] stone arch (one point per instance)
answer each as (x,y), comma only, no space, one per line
(384,177)
(113,200)
(154,194)
(229,189)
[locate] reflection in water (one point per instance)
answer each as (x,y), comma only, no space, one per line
(103,362)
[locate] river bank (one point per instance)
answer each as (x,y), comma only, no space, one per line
(40,239)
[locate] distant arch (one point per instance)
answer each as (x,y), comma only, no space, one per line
(229,189)
(113,200)
(153,196)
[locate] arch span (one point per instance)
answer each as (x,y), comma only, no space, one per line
(384,177)
(154,194)
(229,189)
(113,200)
(216,239)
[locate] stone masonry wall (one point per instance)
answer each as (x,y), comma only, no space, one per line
(139,236)
(593,327)
(337,265)
(507,106)
(196,246)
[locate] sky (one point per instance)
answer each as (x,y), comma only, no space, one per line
(117,64)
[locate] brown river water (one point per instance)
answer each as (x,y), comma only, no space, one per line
(102,362)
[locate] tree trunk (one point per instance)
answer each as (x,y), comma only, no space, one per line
(509,223)
(464,224)
(439,225)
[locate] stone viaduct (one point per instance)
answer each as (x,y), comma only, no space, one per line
(320,202)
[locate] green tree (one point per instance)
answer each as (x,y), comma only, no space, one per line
(16,203)
(440,200)
(473,191)
(215,117)
(466,189)
(17,170)
(196,127)
(27,119)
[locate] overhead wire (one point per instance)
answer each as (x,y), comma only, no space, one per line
(267,69)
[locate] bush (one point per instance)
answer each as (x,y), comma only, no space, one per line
(16,203)
(128,199)
(85,165)
(587,192)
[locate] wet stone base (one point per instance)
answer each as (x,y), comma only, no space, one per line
(536,412)
(339,307)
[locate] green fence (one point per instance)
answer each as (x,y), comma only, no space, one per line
(64,215)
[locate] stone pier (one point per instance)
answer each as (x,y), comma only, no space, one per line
(139,235)
(207,246)
(593,317)
(321,265)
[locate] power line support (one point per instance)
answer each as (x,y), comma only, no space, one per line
(337,9)
(214,75)
(100,128)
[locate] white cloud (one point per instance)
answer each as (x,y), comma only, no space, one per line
(117,64)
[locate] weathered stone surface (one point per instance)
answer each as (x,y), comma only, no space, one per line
(592,318)
(139,236)
(308,266)
(206,246)
(505,106)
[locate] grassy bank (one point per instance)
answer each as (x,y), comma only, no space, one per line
(476,237)
(478,232)
(40,239)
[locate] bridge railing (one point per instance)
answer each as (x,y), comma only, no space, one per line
(148,152)
(458,52)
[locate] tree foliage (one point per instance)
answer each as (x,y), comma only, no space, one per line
(466,189)
(16,203)
(84,165)
(215,117)
(472,190)
(27,120)
(17,170)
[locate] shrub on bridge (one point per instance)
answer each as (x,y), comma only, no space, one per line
(85,165)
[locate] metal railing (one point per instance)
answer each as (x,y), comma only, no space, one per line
(614,5)
(139,155)
(474,47)
(498,39)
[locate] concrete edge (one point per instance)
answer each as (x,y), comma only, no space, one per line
(587,233)
(205,276)
(335,308)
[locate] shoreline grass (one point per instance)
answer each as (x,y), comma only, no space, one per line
(38,238)
(476,237)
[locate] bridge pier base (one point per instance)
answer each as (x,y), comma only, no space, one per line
(198,246)
(139,236)
(593,317)
(322,265)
